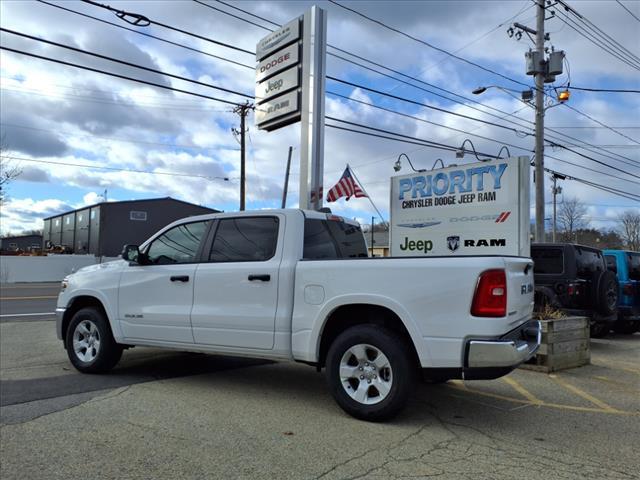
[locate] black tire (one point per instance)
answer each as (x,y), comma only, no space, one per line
(398,377)
(626,327)
(97,359)
(598,329)
(606,297)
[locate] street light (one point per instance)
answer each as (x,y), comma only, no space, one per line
(398,165)
(525,95)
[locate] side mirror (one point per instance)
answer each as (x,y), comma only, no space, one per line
(131,253)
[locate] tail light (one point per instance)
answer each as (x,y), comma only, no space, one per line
(490,297)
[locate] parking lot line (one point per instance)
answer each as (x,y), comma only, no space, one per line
(522,391)
(583,394)
(558,406)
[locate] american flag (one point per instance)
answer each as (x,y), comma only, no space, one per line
(346,187)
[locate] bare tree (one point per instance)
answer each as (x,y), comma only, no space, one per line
(572,216)
(630,228)
(8,170)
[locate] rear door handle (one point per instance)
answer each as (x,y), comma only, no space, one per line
(263,277)
(180,278)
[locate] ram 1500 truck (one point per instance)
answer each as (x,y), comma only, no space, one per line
(296,285)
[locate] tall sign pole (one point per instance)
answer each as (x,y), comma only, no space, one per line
(290,87)
(539,147)
(313,94)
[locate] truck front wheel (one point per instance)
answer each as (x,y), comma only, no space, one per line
(90,344)
(370,372)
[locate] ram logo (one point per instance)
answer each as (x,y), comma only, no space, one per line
(453,243)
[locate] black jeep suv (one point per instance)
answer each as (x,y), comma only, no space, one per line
(575,279)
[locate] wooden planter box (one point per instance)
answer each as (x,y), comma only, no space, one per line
(565,344)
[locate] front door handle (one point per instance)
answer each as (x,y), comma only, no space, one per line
(180,278)
(263,277)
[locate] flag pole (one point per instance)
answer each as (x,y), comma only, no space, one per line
(368,196)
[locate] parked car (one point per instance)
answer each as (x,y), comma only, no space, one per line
(626,266)
(575,279)
(293,285)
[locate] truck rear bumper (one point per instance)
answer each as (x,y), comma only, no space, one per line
(509,351)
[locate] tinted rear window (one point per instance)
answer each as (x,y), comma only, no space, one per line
(547,260)
(633,260)
(588,262)
(324,239)
(247,239)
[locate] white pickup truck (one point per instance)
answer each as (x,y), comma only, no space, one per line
(296,285)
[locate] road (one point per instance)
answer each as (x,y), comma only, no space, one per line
(28,302)
(166,414)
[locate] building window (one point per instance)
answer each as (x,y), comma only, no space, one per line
(93,214)
(139,216)
(80,217)
(68,220)
(57,222)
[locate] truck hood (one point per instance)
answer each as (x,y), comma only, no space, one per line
(114,264)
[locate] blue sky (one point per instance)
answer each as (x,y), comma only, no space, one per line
(57,114)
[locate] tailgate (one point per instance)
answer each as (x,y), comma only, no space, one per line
(520,285)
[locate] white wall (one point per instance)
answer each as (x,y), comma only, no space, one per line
(51,268)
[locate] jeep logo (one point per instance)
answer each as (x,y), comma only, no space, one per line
(424,246)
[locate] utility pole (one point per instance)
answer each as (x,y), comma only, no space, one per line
(243,111)
(539,147)
(286,180)
(544,69)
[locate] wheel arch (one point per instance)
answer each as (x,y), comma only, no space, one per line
(348,315)
(76,304)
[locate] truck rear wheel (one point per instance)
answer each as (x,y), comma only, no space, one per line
(370,372)
(90,344)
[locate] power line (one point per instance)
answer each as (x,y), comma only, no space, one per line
(424,42)
(430,143)
(612,155)
(115,139)
(123,62)
(117,75)
(369,61)
(155,37)
(612,90)
(395,112)
(100,167)
(591,32)
(629,11)
(105,101)
(598,31)
(122,13)
(380,92)
(600,123)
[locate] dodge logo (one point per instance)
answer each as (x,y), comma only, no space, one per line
(453,243)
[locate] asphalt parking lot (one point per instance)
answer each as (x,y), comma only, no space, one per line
(167,414)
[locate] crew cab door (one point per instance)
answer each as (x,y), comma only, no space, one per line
(155,300)
(236,285)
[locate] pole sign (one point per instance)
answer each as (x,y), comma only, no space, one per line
(476,209)
(290,87)
(278,77)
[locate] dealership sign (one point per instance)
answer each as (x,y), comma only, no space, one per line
(278,77)
(475,209)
